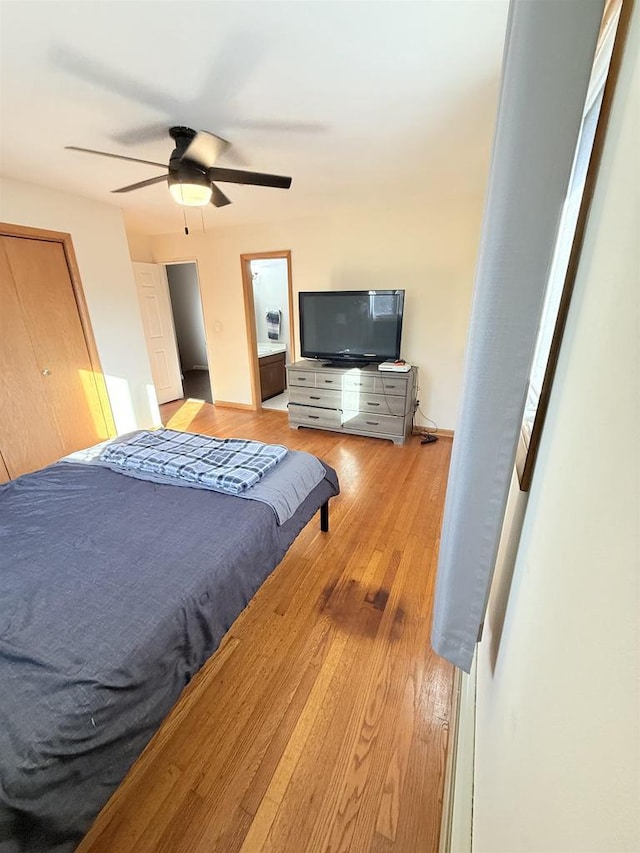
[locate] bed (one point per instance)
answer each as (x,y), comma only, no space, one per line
(114,591)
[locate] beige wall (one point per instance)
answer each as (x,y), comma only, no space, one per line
(140,248)
(429,253)
(558,734)
(101,249)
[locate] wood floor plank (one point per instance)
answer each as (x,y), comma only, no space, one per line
(277,788)
(388,721)
(335,825)
(309,783)
(321,723)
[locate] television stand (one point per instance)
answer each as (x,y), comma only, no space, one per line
(355,400)
(345,365)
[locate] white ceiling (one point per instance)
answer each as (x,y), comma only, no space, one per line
(377,103)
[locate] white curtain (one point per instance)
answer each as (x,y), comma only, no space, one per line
(550,46)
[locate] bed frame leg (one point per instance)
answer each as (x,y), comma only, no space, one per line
(324,517)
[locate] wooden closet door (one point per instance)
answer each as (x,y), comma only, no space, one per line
(4,474)
(29,435)
(49,389)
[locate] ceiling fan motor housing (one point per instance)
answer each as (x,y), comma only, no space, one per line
(189,181)
(186,171)
(182,136)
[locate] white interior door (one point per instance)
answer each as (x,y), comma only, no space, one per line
(157,319)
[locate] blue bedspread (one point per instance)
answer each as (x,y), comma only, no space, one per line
(113,593)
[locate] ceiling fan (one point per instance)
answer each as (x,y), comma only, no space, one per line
(191,170)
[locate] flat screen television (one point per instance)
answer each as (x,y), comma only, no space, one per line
(357,326)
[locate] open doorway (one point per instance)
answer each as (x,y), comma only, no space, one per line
(188,320)
(268,293)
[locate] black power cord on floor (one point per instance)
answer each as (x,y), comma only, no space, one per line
(427,437)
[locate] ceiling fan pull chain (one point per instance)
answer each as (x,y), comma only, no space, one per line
(186,228)
(202,220)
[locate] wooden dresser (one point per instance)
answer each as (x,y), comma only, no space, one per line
(357,400)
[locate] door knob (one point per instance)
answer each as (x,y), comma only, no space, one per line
(46,372)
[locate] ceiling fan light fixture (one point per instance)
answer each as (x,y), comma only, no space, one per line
(190,193)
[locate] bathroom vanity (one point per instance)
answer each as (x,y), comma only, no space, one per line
(273,374)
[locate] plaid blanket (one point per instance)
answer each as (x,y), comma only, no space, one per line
(231,464)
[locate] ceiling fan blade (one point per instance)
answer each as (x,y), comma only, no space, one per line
(141,134)
(218,198)
(115,156)
(141,184)
(280,126)
(205,148)
(258,179)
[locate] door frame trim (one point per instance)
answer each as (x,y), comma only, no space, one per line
(41,234)
(250,316)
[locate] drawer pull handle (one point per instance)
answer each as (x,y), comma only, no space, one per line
(329,381)
(373,404)
(311,397)
(389,385)
(373,423)
(302,378)
(314,417)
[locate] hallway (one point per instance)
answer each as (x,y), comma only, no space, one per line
(196,385)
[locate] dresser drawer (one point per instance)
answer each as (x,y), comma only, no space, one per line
(314,417)
(365,422)
(391,385)
(357,381)
(329,379)
(377,404)
(302,377)
(324,397)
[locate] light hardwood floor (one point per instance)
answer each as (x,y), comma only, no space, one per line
(321,723)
